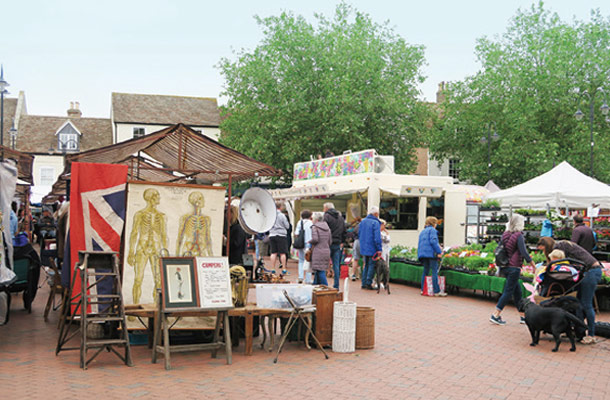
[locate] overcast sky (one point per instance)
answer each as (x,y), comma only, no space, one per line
(61,51)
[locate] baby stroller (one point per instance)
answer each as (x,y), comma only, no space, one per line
(560,278)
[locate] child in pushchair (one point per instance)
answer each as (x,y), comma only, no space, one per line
(560,277)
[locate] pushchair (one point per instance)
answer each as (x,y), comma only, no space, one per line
(560,278)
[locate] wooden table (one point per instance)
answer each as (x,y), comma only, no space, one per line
(248,312)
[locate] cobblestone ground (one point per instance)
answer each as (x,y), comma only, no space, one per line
(426,348)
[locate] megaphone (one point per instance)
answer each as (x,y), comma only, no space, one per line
(257,211)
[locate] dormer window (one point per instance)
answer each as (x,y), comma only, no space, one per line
(68,138)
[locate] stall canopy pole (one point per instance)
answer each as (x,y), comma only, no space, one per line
(229,215)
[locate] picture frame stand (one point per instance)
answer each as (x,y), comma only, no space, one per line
(161,343)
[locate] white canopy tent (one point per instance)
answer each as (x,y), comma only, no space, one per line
(563,186)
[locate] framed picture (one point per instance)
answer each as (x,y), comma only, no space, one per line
(179,283)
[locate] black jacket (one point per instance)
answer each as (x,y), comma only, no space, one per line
(335,222)
(582,235)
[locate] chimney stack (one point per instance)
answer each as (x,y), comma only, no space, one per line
(74,111)
(440,94)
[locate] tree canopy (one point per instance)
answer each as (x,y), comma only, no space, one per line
(533,79)
(342,83)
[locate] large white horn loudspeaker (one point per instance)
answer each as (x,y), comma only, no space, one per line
(257,211)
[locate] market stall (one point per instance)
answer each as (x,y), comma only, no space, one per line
(355,182)
(562,186)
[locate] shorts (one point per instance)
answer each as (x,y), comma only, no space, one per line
(279,244)
(356,250)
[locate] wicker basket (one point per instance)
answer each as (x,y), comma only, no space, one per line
(365,328)
(344,327)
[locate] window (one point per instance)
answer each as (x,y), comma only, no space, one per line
(454,168)
(400,213)
(138,132)
(68,138)
(67,142)
(47,176)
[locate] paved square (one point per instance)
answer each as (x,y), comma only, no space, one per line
(426,348)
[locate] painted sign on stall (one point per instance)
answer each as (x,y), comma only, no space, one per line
(347,164)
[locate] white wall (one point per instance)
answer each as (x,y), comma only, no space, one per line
(41,162)
(436,169)
(124,131)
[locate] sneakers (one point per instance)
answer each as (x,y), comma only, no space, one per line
(440,294)
(285,272)
(588,340)
(354,277)
(367,287)
(497,320)
(522,320)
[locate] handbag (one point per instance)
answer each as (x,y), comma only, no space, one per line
(308,255)
(299,238)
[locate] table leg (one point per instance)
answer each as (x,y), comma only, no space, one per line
(309,319)
(271,327)
(264,329)
(150,331)
(249,321)
(156,334)
(166,341)
(217,332)
(227,333)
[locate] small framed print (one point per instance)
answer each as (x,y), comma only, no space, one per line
(180,287)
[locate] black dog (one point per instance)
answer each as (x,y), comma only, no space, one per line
(549,319)
(383,274)
(572,305)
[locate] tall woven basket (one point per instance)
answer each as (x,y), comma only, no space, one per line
(344,327)
(365,328)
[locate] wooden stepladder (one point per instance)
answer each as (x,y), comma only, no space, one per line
(98,307)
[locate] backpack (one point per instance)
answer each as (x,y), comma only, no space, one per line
(299,238)
(501,254)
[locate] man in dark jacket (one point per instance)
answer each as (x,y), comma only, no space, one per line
(335,222)
(582,235)
(370,245)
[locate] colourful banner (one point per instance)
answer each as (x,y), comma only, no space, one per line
(97,210)
(348,164)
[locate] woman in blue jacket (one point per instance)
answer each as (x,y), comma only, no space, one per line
(428,252)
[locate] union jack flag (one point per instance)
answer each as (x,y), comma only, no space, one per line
(97,210)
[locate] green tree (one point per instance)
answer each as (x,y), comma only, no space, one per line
(343,83)
(531,83)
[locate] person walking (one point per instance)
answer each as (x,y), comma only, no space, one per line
(514,243)
(278,239)
(428,253)
(321,240)
(582,235)
(592,274)
(305,225)
(370,245)
(336,223)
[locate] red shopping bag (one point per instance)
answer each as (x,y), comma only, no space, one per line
(429,289)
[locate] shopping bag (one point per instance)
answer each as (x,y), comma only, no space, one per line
(306,266)
(429,289)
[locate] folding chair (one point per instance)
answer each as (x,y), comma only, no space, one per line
(295,315)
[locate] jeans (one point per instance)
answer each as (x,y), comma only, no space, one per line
(430,265)
(585,295)
(511,288)
(369,271)
(319,278)
(335,256)
(302,273)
